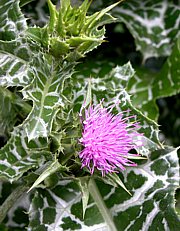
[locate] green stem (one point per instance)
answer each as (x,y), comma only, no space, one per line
(11,200)
(101,205)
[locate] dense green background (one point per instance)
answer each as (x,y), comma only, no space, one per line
(152,65)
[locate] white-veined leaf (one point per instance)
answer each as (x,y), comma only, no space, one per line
(151,206)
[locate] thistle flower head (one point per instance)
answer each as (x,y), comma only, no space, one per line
(107,140)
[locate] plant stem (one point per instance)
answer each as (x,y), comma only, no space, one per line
(11,200)
(101,205)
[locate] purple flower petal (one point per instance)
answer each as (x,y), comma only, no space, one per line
(107,139)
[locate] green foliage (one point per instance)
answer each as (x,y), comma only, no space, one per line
(43,88)
(8,114)
(70,33)
(157,88)
(169,75)
(14,50)
(19,155)
(151,186)
(153,24)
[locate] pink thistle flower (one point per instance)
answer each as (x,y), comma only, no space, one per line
(107,139)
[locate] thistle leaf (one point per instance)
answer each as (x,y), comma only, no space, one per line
(19,155)
(45,92)
(152,86)
(12,21)
(14,50)
(152,185)
(83,185)
(52,168)
(153,24)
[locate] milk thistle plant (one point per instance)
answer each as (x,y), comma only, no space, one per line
(80,143)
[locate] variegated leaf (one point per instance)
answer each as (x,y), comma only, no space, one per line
(12,21)
(58,209)
(167,82)
(150,86)
(19,155)
(14,50)
(153,24)
(14,57)
(151,206)
(14,203)
(46,93)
